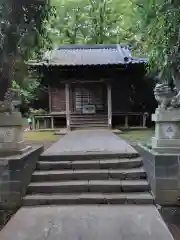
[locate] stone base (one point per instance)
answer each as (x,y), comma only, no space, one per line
(11,134)
(11,119)
(15,176)
(6,152)
(167,131)
(163,171)
(168,151)
(166,145)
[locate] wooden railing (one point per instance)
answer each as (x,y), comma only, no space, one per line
(142,118)
(46,121)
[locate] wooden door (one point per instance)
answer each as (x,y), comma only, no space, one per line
(89,94)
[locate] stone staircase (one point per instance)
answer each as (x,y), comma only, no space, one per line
(79,121)
(85,181)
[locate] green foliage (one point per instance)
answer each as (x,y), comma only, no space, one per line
(88,21)
(37,111)
(100,21)
(152,27)
(22,35)
(22,26)
(158,25)
(28,89)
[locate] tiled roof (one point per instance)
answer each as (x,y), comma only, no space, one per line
(97,54)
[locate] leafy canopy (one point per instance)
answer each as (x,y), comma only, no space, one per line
(158,28)
(22,35)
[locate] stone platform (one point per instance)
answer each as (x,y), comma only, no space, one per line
(15,175)
(87,223)
(90,143)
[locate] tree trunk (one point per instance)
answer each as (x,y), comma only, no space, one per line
(6,74)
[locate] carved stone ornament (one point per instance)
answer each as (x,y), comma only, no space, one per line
(11,99)
(6,107)
(6,135)
(165,96)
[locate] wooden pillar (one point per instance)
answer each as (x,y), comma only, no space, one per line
(67,106)
(144,120)
(45,123)
(50,99)
(33,123)
(109,103)
(52,122)
(126,121)
(38,125)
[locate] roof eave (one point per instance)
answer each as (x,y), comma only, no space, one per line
(45,64)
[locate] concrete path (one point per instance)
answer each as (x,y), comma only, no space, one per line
(86,142)
(87,223)
(107,222)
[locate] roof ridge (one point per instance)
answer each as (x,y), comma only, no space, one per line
(88,54)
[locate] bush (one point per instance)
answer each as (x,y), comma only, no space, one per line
(37,111)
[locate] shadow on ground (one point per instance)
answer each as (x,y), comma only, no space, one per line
(172,218)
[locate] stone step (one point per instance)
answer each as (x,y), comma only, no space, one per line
(88,198)
(98,174)
(90,116)
(102,186)
(90,119)
(84,127)
(89,125)
(92,155)
(90,164)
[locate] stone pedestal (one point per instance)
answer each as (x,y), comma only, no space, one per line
(17,161)
(162,161)
(11,134)
(167,131)
(15,175)
(163,172)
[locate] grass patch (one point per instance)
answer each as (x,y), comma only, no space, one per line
(39,136)
(138,136)
(132,136)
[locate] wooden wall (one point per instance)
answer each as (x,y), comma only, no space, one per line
(92,93)
(121,96)
(57,96)
(57,99)
(130,93)
(121,92)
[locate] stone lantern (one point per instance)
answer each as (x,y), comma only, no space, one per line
(167,121)
(11,125)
